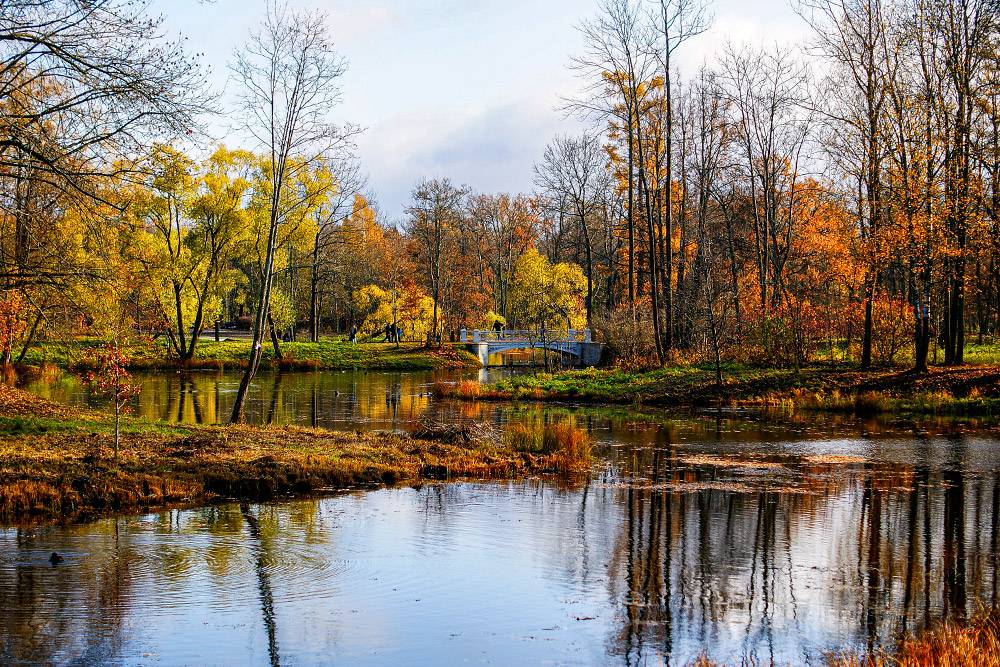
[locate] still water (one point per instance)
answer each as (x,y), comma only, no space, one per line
(725,535)
(343,400)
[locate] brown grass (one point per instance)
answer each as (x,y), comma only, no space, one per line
(54,461)
(569,448)
(974,644)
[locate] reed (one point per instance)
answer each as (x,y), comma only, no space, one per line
(568,448)
(974,644)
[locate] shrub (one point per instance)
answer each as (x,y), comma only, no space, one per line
(890,329)
(629,343)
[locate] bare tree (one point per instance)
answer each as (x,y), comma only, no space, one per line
(765,90)
(852,35)
(86,86)
(289,77)
(679,21)
(618,63)
(573,178)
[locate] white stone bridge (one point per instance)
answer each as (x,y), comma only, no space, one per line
(574,342)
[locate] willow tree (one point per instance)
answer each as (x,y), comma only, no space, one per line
(289,75)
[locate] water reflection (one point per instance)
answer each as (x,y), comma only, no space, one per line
(332,399)
(775,553)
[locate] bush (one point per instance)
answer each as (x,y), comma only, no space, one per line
(629,343)
(891,329)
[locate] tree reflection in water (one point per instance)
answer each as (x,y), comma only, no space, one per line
(263,583)
(763,552)
(690,567)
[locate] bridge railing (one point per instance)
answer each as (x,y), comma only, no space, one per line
(525,336)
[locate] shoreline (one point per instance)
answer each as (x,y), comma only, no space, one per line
(972,390)
(332,355)
(55,462)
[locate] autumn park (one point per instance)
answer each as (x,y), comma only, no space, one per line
(603,332)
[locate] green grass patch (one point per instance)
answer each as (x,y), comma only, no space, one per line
(328,354)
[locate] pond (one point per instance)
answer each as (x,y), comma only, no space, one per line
(728,535)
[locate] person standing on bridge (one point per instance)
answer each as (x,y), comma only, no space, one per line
(498,329)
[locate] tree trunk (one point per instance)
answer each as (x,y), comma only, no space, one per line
(866,338)
(314,293)
(275,341)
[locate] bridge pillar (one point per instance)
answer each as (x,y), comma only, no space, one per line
(482,350)
(463,335)
(590,353)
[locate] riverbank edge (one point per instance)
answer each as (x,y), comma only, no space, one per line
(960,391)
(56,462)
(77,356)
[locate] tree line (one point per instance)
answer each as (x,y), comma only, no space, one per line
(842,191)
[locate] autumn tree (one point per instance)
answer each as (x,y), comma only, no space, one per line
(509,224)
(852,35)
(436,214)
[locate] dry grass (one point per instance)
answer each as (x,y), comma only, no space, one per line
(975,644)
(568,448)
(54,461)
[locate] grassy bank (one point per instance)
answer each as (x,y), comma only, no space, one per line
(325,355)
(55,461)
(967,390)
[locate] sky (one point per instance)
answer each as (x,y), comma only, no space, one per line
(468,89)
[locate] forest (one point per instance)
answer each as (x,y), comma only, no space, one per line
(838,199)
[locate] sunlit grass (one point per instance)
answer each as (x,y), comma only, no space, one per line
(973,644)
(570,448)
(328,354)
(976,644)
(966,390)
